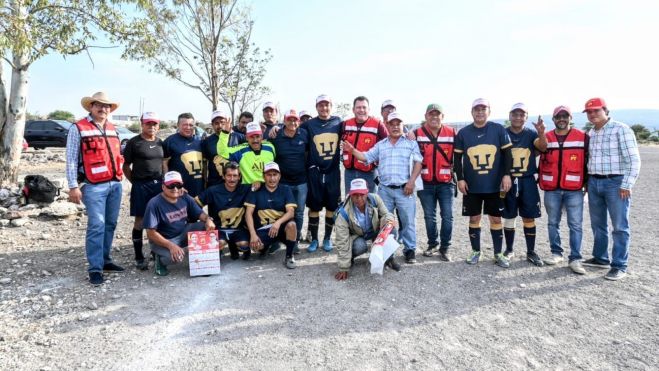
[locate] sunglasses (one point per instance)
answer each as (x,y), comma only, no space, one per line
(563,116)
(175,185)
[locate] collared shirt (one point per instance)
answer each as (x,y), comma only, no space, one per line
(363,219)
(613,150)
(394,160)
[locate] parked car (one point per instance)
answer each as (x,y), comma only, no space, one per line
(124,136)
(46,133)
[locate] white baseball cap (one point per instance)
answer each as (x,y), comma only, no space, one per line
(291,113)
(150,117)
(358,186)
(520,106)
(253,128)
(219,113)
(271,166)
(172,177)
(305,113)
(388,102)
(480,102)
(323,98)
(269,104)
(394,116)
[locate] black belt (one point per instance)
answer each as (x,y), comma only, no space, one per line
(395,186)
(606,176)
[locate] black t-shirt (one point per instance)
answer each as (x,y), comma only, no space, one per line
(146,157)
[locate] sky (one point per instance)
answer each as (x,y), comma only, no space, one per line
(416,52)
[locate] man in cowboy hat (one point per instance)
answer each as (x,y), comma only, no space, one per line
(94,172)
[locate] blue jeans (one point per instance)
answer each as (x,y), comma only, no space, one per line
(103,202)
(394,199)
(180,240)
(300,195)
(603,197)
(430,196)
(360,244)
(573,203)
(350,174)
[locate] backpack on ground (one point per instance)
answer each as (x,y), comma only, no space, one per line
(38,189)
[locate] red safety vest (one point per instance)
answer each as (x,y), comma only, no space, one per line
(562,165)
(100,152)
(436,166)
(362,138)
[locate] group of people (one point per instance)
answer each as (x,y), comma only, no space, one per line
(256,179)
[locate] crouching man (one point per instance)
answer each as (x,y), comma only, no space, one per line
(166,222)
(359,221)
(269,213)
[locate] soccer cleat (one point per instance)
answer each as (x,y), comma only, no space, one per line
(289,262)
(473,257)
(313,246)
(327,245)
(501,260)
(160,269)
(534,259)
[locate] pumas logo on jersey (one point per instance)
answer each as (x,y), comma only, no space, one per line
(192,161)
(482,157)
(521,158)
(326,144)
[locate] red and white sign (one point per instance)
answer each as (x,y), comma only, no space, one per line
(204,253)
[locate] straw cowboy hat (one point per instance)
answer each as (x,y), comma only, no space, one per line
(99,97)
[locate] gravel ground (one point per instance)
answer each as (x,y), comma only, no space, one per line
(259,315)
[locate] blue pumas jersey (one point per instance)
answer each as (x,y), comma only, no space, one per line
(523,152)
(226,208)
(185,156)
(270,206)
(482,162)
(324,140)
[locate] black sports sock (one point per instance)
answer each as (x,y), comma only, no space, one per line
(137,244)
(313,227)
(509,234)
(329,225)
(497,239)
(475,238)
(290,245)
(529,235)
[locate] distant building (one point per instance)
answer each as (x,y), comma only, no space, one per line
(125,120)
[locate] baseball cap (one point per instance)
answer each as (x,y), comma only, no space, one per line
(480,102)
(323,98)
(253,128)
(434,107)
(560,109)
(269,104)
(271,166)
(291,113)
(304,113)
(358,186)
(387,103)
(172,177)
(394,116)
(150,117)
(520,106)
(219,113)
(594,103)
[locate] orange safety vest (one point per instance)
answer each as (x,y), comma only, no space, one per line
(362,138)
(100,152)
(562,164)
(437,154)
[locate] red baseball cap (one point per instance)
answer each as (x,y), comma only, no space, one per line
(560,109)
(594,103)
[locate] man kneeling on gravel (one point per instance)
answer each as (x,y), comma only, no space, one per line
(359,220)
(166,222)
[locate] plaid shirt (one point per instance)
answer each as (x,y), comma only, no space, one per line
(613,150)
(394,163)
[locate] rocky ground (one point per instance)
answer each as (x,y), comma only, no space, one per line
(259,315)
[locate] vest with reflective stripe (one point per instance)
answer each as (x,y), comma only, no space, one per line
(435,166)
(362,138)
(100,152)
(562,164)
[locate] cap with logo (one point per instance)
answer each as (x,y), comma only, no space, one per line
(480,102)
(388,103)
(594,103)
(323,98)
(290,113)
(269,104)
(519,106)
(271,166)
(434,107)
(394,116)
(560,109)
(150,117)
(219,113)
(172,177)
(358,186)
(253,128)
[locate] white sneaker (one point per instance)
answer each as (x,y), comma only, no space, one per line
(554,259)
(577,267)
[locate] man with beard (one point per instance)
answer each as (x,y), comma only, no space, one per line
(221,122)
(182,152)
(244,119)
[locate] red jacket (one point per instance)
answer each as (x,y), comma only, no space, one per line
(362,138)
(563,164)
(436,166)
(100,152)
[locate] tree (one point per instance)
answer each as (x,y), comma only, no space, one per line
(587,126)
(30,30)
(641,132)
(343,110)
(207,47)
(62,115)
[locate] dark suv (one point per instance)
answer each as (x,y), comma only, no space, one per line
(46,133)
